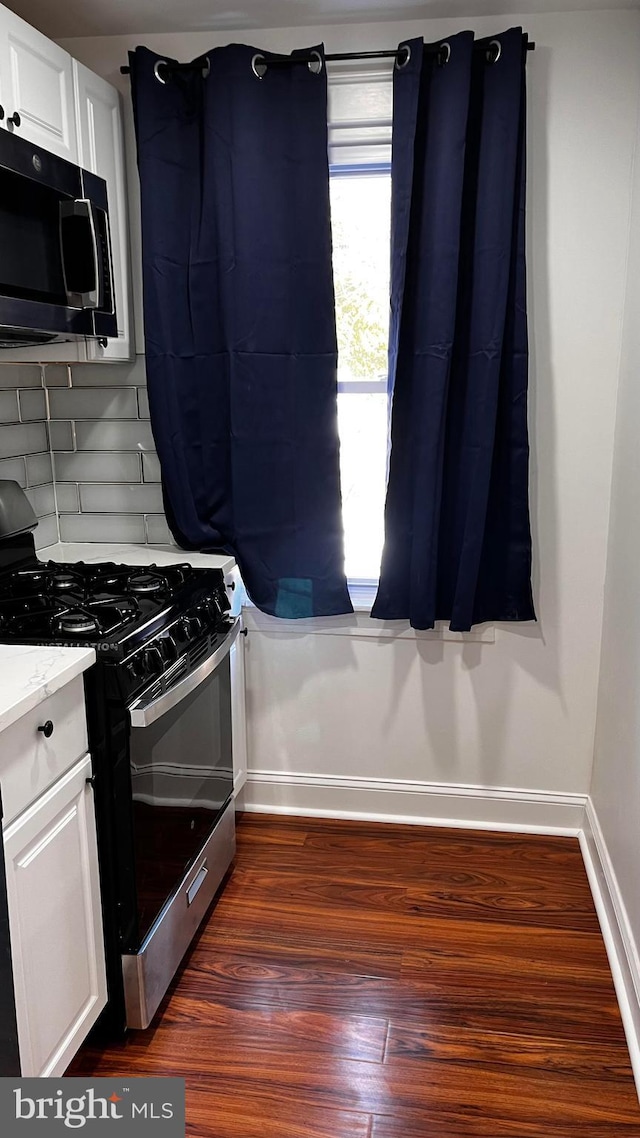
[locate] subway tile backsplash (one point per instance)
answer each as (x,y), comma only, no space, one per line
(110,434)
(93,403)
(78,439)
(107,473)
(24,443)
(33,405)
(121,498)
(95,466)
(103,527)
(22,438)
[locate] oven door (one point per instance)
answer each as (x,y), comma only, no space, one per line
(181,777)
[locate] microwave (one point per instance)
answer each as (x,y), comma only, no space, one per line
(56,273)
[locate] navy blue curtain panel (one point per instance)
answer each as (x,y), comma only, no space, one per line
(239,318)
(457,533)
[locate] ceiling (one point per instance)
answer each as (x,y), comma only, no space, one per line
(124,17)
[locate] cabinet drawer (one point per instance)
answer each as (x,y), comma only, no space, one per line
(30,762)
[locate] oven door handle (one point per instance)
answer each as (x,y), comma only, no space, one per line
(143,714)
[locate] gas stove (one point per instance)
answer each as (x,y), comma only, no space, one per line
(144,618)
(159,714)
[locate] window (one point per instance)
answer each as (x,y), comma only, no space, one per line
(360,218)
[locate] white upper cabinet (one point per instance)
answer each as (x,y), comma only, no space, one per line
(36,83)
(59,105)
(101,150)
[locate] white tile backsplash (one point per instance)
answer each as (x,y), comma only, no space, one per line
(58,375)
(17,439)
(20,375)
(103,527)
(9,412)
(97,444)
(61,436)
(158,532)
(93,403)
(96,466)
(150,467)
(110,375)
(46,532)
(32,405)
(42,499)
(102,497)
(15,469)
(143,403)
(67,498)
(106,434)
(39,469)
(24,446)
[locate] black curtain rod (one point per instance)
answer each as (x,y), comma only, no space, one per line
(395,53)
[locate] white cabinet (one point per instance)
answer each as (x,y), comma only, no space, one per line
(101,150)
(36,84)
(55,922)
(238,713)
(63,107)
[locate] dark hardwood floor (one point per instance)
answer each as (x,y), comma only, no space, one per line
(357,980)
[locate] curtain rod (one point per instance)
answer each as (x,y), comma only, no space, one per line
(442,50)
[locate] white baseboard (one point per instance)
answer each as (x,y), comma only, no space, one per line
(415,803)
(616,931)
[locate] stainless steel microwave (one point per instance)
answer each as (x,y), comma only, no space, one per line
(56,273)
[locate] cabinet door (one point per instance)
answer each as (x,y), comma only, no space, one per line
(56,923)
(238,713)
(101,150)
(37,83)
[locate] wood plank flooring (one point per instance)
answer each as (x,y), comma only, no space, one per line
(370,981)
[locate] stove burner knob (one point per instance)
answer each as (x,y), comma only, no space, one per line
(137,667)
(194,625)
(168,648)
(153,660)
(181,631)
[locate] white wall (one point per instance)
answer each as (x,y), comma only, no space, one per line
(519,712)
(616,774)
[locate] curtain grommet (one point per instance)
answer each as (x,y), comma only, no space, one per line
(494,51)
(259,66)
(403,56)
(156,70)
(444,53)
(316,63)
(206,70)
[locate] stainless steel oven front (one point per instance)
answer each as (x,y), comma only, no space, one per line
(181,767)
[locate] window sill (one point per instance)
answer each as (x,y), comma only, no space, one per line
(360,625)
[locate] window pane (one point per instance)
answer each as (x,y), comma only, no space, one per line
(360,218)
(362,421)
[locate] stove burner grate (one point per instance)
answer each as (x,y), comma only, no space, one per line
(75,622)
(147,583)
(63,581)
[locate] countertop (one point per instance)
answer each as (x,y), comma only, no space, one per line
(31,672)
(135,555)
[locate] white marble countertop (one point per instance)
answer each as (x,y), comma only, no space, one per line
(135,555)
(30,672)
